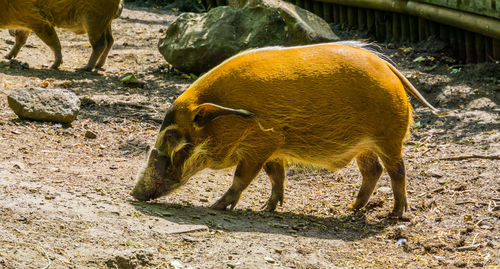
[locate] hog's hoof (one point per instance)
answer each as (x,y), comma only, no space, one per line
(396,215)
(224,202)
(222,205)
(272,203)
(355,206)
(84,69)
(399,209)
(230,198)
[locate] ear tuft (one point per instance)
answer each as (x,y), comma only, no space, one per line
(207,112)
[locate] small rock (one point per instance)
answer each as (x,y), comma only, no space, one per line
(402,227)
(270,260)
(401,242)
(178,265)
(90,135)
(129,259)
(56,105)
(18,165)
(189,239)
(384,190)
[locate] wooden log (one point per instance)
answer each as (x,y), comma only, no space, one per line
(421,29)
(396,27)
(433,29)
(484,25)
(379,25)
(343,17)
(318,8)
(308,5)
(351,18)
(444,32)
(469,48)
(388,27)
(361,18)
(461,45)
(413,24)
(327,12)
(370,21)
(480,48)
(453,38)
(336,14)
(496,49)
(211,4)
(488,48)
(405,27)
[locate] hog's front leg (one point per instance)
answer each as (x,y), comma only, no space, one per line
(245,172)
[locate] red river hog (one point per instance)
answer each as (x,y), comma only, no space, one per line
(321,105)
(79,16)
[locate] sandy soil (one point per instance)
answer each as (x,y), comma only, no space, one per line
(66,204)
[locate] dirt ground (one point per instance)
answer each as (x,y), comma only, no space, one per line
(66,204)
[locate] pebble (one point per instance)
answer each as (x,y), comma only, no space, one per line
(401,242)
(90,135)
(384,190)
(189,239)
(270,260)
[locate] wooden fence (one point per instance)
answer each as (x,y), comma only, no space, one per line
(471,28)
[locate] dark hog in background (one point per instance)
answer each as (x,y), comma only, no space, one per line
(321,105)
(93,17)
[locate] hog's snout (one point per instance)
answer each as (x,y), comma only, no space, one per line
(151,178)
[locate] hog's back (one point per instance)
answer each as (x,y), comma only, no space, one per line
(68,14)
(322,100)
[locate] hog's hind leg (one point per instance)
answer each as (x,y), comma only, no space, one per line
(397,173)
(21,37)
(371,170)
(276,172)
(390,155)
(245,172)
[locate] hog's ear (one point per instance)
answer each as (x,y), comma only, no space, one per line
(206,112)
(169,118)
(168,139)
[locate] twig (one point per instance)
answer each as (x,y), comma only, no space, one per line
(474,240)
(477,204)
(470,247)
(473,156)
(46,256)
(481,220)
(491,208)
(465,202)
(439,237)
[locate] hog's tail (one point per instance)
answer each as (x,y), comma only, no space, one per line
(409,87)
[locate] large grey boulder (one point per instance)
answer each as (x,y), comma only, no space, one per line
(56,105)
(195,43)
